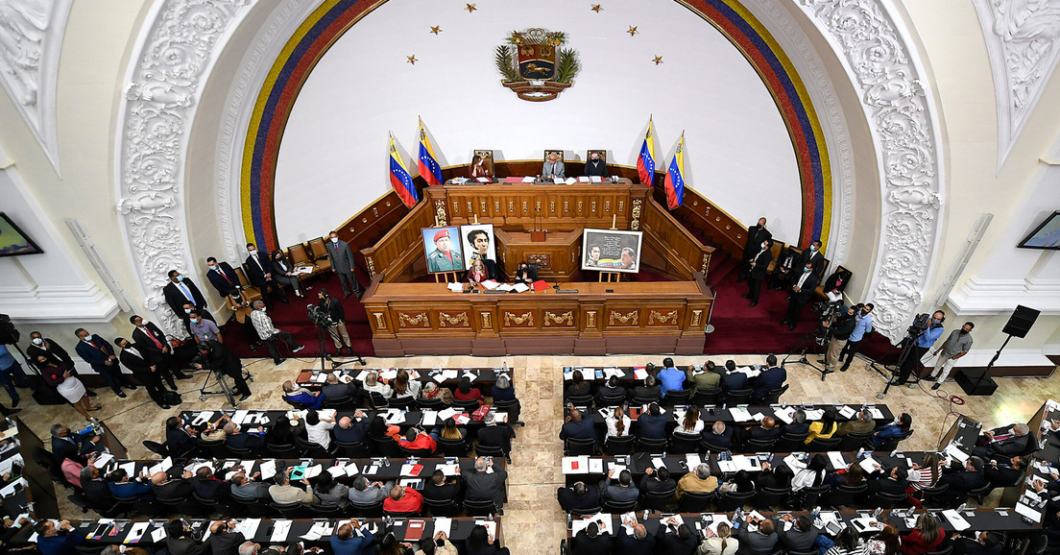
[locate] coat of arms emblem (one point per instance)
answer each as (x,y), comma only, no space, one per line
(534,64)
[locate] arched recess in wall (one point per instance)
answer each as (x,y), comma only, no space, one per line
(164,91)
(326,24)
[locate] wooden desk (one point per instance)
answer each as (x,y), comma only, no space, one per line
(601,318)
(558,258)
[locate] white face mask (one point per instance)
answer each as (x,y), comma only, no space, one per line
(38,341)
(334,239)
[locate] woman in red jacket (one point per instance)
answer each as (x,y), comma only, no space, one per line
(926,537)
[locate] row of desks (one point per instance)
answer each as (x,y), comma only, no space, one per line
(753,415)
(267,418)
(482,378)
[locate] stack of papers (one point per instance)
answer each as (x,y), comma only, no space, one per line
(491,284)
(248,526)
(794,463)
(837,460)
(956,520)
(601,520)
(785,415)
(640,372)
(740,414)
(743,462)
(814,415)
(869,464)
(442,524)
(520,287)
(280,529)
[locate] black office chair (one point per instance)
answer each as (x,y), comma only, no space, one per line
(847,496)
(400,514)
(696,502)
(773,396)
(446,508)
(659,500)
(619,507)
(294,404)
(319,510)
(352,450)
(290,510)
(589,511)
(469,406)
(938,497)
(282,450)
(803,552)
(402,403)
(513,409)
(216,449)
(707,446)
(345,402)
(760,445)
(948,550)
(576,446)
(678,398)
(651,445)
(979,494)
(640,401)
(376,401)
(886,500)
(489,451)
(790,443)
(242,454)
(367,510)
(418,453)
(711,396)
(384,447)
(810,497)
(585,401)
(310,449)
(823,445)
(612,401)
(159,449)
(738,396)
(480,508)
(853,442)
(430,404)
(728,502)
(615,445)
(681,444)
(771,497)
(453,447)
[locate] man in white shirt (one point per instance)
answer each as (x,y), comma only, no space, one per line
(269,334)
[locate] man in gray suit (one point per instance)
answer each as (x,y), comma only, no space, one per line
(553,168)
(342,262)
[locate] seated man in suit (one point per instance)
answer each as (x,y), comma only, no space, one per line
(624,490)
(863,424)
(350,430)
(640,543)
(122,487)
(482,485)
(652,424)
(767,431)
(771,379)
(248,488)
(595,167)
(800,537)
(349,539)
(224,539)
(705,378)
(179,439)
(283,492)
(222,277)
(799,426)
(173,489)
(496,436)
(253,440)
(983,543)
(964,478)
(719,434)
(441,489)
(334,389)
(764,540)
(894,482)
(575,426)
(578,497)
(675,538)
(591,542)
(207,486)
(68,445)
(1005,442)
(365,492)
(259,273)
(97,490)
(732,379)
(698,481)
(1000,474)
(553,168)
(648,392)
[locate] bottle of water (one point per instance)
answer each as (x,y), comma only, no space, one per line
(505,367)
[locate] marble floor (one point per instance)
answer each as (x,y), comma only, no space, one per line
(532,517)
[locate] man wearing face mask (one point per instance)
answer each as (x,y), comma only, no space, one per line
(203,330)
(758,265)
(222,277)
(917,347)
(840,331)
(151,341)
(181,290)
(755,237)
(343,263)
(269,334)
(41,346)
(813,257)
(259,272)
(862,327)
(101,356)
(801,293)
(956,346)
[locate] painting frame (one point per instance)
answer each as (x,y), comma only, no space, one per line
(20,243)
(1045,236)
(440,263)
(612,245)
(471,250)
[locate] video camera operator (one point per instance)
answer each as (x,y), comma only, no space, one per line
(920,336)
(840,331)
(336,324)
(215,356)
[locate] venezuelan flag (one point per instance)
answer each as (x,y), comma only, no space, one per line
(400,178)
(675,180)
(646,160)
(428,162)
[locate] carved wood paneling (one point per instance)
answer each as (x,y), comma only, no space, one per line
(525,319)
(416,320)
(656,318)
(617,318)
(453,320)
(565,319)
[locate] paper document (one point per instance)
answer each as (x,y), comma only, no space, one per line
(158,535)
(956,520)
(786,415)
(428,418)
(955,452)
(442,524)
(869,464)
(814,415)
(267,469)
(520,287)
(847,412)
(576,465)
(837,460)
(527,179)
(490,284)
(456,287)
(280,530)
(103,460)
(202,418)
(136,532)
(740,414)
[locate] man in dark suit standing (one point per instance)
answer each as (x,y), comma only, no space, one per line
(151,341)
(40,346)
(259,272)
(755,237)
(810,256)
(767,381)
(97,352)
(343,263)
(222,277)
(149,375)
(757,268)
(801,294)
(180,291)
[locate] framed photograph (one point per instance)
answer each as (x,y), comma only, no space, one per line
(441,246)
(477,243)
(482,164)
(13,241)
(610,250)
(1046,235)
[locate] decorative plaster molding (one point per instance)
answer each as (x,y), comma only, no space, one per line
(177,48)
(807,62)
(31,39)
(883,64)
(229,161)
(988,297)
(1023,42)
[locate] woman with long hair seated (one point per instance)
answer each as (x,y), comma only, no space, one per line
(690,424)
(823,428)
(617,423)
(477,273)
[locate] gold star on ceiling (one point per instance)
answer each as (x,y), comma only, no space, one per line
(412,59)
(632,30)
(436,30)
(470,8)
(658,60)
(596,8)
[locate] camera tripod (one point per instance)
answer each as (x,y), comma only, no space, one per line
(909,343)
(219,381)
(323,331)
(807,342)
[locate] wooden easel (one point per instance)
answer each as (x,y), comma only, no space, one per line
(611,276)
(449,276)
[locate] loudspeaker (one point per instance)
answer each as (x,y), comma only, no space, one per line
(975,382)
(1021,321)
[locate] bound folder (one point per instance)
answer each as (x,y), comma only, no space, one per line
(414,531)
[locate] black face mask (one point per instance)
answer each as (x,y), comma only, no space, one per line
(964,332)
